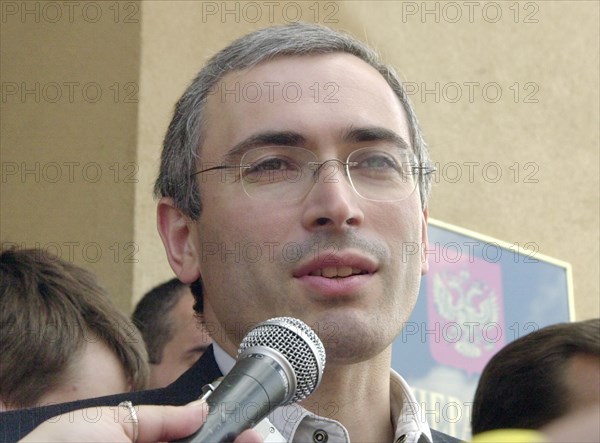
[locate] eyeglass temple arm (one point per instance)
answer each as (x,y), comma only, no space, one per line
(219,167)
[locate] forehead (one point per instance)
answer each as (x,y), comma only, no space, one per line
(320,97)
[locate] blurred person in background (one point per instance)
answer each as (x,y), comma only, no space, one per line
(540,378)
(175,337)
(61,337)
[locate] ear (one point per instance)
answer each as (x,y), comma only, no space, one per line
(424,244)
(175,231)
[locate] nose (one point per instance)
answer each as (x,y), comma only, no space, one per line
(332,203)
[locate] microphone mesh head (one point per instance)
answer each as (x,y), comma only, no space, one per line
(298,343)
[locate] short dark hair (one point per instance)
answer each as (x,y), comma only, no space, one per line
(198,293)
(48,308)
(523,385)
(151,316)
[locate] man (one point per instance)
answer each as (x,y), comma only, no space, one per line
(59,330)
(175,337)
(539,378)
(331,189)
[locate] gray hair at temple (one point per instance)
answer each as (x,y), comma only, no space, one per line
(186,131)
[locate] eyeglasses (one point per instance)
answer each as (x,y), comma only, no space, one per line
(284,173)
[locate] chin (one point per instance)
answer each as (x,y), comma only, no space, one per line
(352,352)
(349,339)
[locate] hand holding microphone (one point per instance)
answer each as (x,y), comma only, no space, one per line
(280,362)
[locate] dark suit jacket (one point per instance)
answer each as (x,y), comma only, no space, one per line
(16,424)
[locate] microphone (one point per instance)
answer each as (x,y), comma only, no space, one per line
(280,361)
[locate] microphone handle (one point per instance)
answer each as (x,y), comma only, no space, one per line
(251,390)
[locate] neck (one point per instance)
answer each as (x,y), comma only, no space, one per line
(358,396)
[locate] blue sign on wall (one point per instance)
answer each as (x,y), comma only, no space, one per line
(479,295)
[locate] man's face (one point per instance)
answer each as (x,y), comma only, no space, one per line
(262,259)
(190,340)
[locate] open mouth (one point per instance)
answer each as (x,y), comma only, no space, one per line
(337,272)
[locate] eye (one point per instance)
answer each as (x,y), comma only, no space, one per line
(375,161)
(378,161)
(382,165)
(270,164)
(272,168)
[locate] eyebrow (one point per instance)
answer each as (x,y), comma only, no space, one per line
(266,138)
(374,134)
(292,138)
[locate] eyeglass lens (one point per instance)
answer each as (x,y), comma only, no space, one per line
(384,173)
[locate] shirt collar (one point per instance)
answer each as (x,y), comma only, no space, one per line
(223,359)
(406,416)
(296,423)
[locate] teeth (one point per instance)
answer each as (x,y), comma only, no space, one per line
(344,272)
(333,271)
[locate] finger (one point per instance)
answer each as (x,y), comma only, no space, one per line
(249,436)
(164,423)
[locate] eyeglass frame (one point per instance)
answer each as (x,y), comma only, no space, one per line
(423,170)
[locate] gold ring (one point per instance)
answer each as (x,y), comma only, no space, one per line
(134,418)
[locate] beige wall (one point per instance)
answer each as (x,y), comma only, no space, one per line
(545,52)
(68,133)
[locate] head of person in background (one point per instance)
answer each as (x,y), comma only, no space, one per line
(175,337)
(61,336)
(539,378)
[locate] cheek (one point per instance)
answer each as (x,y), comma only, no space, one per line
(401,224)
(236,221)
(404,232)
(220,221)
